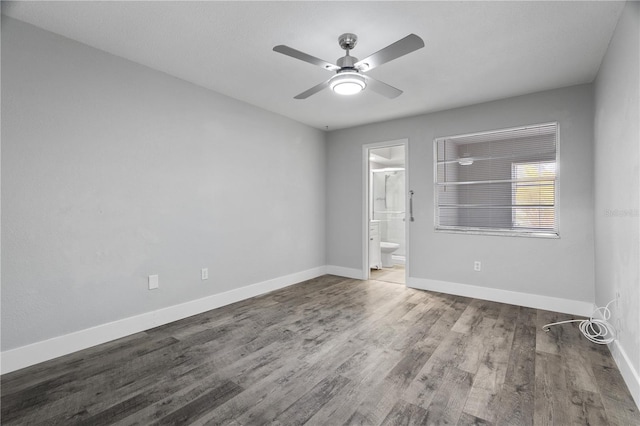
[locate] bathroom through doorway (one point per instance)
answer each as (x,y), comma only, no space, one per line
(386,219)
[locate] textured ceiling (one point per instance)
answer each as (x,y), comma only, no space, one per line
(475,51)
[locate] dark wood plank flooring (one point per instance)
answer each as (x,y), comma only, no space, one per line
(333,351)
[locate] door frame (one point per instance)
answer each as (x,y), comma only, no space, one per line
(366,193)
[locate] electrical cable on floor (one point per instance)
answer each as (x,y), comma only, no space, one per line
(596,330)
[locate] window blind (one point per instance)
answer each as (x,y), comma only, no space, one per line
(502,181)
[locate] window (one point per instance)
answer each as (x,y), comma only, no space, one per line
(534,189)
(501,182)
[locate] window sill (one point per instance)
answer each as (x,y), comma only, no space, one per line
(498,233)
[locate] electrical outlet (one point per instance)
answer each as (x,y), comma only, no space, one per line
(204,273)
(477,266)
(154,282)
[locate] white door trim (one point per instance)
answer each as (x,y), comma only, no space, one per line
(365,201)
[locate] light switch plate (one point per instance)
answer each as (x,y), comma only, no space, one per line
(153,282)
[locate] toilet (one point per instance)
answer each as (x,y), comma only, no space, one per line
(386,249)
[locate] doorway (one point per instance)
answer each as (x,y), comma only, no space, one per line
(386,246)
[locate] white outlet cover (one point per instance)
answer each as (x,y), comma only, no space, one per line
(204,273)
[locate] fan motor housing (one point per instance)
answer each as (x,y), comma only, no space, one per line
(348,41)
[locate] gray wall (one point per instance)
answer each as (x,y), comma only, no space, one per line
(112,171)
(617,180)
(552,267)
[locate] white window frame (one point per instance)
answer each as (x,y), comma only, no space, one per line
(509,232)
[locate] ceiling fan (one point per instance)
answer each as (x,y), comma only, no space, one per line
(350,78)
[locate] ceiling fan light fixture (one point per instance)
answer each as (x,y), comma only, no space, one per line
(349,78)
(465,160)
(347,83)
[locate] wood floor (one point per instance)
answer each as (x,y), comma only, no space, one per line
(393,274)
(333,351)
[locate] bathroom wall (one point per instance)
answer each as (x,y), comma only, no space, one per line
(388,203)
(390,209)
(112,171)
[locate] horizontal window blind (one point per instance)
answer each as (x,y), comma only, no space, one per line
(503,181)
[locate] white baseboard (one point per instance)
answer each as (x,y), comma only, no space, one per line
(341,271)
(398,260)
(628,372)
(556,304)
(45,350)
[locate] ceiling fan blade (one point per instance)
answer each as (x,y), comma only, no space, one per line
(382,88)
(400,48)
(289,51)
(313,90)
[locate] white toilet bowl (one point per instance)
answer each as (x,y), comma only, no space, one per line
(386,249)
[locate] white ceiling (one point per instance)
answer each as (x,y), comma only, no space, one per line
(475,51)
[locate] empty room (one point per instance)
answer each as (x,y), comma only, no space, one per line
(320,213)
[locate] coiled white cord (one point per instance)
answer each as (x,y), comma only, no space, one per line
(594,329)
